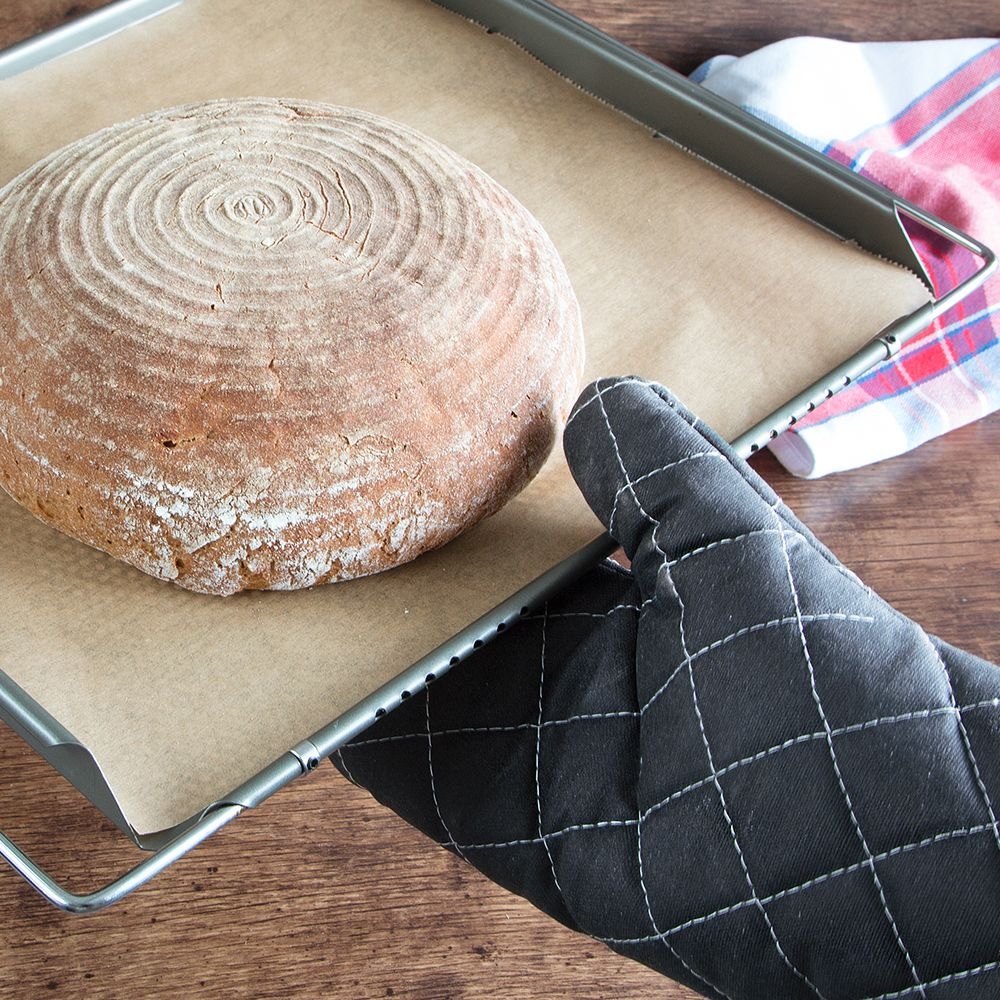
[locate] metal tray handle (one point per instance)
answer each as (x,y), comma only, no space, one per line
(91,902)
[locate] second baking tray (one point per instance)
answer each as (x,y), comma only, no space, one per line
(670,112)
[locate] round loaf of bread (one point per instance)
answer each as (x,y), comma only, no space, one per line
(264,344)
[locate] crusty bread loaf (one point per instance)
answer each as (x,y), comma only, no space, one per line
(270,344)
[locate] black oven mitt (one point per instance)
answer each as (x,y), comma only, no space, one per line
(734,763)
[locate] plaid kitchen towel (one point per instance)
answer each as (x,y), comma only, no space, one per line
(923,119)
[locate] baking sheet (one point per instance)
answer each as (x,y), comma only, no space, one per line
(684,275)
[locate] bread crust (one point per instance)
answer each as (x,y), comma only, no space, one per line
(267,344)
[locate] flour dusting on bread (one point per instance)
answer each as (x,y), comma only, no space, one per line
(268,344)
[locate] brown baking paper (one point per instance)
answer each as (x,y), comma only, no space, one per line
(684,275)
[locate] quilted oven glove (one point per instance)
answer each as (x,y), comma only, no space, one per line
(734,763)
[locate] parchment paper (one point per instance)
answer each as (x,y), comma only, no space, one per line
(684,275)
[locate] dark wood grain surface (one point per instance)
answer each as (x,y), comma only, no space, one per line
(319,892)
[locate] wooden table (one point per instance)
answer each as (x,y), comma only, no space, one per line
(320,892)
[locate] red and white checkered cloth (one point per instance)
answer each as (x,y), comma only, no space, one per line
(923,119)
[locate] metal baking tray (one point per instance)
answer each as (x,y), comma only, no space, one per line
(675,110)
